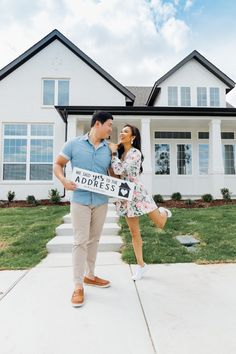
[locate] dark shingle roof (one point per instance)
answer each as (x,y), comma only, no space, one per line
(141,94)
(229,105)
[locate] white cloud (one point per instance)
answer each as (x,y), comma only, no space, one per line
(136,41)
(175,33)
(188,4)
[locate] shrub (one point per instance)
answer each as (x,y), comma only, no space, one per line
(207,198)
(189,201)
(226,194)
(10,196)
(176,196)
(158,198)
(31,200)
(54,196)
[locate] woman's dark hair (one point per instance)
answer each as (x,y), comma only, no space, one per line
(136,143)
(100,116)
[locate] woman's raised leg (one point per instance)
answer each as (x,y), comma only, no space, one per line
(158,218)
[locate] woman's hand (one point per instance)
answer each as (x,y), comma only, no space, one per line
(113,147)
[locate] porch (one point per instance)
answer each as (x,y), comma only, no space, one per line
(189,151)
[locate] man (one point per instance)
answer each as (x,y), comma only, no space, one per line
(88,209)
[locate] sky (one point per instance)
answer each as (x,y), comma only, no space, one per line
(135,41)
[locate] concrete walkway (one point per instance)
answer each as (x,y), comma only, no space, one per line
(175,309)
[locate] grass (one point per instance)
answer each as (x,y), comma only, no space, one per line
(24,233)
(214,227)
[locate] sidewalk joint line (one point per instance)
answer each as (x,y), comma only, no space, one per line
(145,318)
(14,284)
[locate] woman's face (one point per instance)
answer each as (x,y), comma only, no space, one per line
(126,135)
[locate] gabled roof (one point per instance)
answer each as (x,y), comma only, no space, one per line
(203,61)
(56,35)
(141,94)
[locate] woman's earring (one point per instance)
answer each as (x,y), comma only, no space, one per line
(132,141)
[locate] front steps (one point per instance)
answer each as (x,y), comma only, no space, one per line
(110,241)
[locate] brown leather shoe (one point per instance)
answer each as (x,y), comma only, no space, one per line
(100,283)
(77,299)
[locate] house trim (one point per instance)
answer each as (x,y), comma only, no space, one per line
(64,111)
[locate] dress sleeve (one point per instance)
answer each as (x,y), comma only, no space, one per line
(130,166)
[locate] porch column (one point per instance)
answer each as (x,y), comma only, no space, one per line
(146,149)
(216,166)
(71,127)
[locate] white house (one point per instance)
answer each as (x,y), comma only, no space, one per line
(48,94)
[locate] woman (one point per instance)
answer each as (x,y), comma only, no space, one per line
(127,163)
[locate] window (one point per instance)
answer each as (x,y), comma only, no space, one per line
(203,135)
(185,96)
(41,158)
(224,135)
(55,92)
(227,135)
(27,152)
(162,159)
(172,135)
(214,96)
(201,96)
(203,159)
(172,96)
(184,159)
(229,159)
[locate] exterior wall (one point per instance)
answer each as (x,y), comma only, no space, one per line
(192,75)
(21,102)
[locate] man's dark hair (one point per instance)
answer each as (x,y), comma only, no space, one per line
(100,116)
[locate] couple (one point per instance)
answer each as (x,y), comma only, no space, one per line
(88,209)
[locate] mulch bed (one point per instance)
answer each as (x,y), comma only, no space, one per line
(198,203)
(23,203)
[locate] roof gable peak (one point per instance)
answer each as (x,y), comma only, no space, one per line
(49,38)
(203,61)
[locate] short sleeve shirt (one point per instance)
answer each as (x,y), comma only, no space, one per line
(82,154)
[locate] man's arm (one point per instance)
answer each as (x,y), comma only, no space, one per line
(58,172)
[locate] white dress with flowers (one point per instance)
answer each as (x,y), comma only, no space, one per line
(128,169)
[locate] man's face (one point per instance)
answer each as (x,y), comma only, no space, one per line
(105,129)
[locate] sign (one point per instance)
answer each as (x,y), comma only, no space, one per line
(103,184)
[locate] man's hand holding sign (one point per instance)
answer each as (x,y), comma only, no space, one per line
(103,184)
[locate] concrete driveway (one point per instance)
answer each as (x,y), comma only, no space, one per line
(175,309)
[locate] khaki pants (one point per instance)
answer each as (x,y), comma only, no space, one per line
(87,222)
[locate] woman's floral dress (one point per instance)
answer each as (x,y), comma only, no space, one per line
(128,169)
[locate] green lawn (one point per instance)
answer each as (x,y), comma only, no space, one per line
(24,233)
(214,227)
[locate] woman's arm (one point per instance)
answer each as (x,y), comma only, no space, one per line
(130,166)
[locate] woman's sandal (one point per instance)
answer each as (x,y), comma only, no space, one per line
(168,212)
